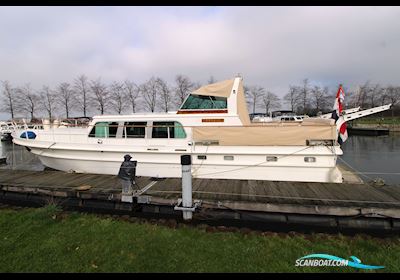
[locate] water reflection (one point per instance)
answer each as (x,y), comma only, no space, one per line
(19,158)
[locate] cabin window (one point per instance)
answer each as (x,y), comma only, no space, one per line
(135,129)
(104,130)
(160,129)
(168,130)
(177,131)
(194,102)
(202,157)
(113,127)
(272,158)
(310,159)
(288,119)
(228,157)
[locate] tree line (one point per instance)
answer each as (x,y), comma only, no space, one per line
(370,95)
(85,97)
(309,99)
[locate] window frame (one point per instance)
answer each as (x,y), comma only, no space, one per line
(169,127)
(125,134)
(205,97)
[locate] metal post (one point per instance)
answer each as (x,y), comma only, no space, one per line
(13,157)
(186,162)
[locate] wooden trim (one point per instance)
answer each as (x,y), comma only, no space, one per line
(212,120)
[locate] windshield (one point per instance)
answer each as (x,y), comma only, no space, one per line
(194,102)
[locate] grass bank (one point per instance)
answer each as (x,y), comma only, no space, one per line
(46,240)
(378,120)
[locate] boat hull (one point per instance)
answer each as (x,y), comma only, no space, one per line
(167,165)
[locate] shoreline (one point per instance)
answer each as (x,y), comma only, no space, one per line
(391,127)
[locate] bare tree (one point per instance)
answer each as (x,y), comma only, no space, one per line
(183,87)
(149,92)
(8,99)
(165,92)
(361,95)
(65,96)
(383,97)
(28,100)
(117,97)
(100,95)
(48,101)
(132,92)
(319,97)
(393,95)
(352,97)
(82,91)
(211,80)
(374,93)
(254,93)
(368,95)
(304,94)
(271,101)
(292,97)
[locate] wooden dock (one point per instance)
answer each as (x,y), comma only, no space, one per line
(341,206)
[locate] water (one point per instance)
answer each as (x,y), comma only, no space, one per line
(374,154)
(19,158)
(368,154)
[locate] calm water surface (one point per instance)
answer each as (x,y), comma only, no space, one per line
(374,154)
(369,154)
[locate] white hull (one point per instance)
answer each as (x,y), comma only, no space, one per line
(317,174)
(290,167)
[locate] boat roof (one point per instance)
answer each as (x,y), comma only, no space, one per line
(152,116)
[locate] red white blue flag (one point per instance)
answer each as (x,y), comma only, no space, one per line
(338,117)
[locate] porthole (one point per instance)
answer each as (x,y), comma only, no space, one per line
(310,159)
(272,158)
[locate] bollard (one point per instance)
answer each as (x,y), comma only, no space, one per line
(186,162)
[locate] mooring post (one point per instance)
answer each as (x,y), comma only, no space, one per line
(186,162)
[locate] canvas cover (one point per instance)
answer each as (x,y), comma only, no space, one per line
(224,89)
(242,106)
(220,89)
(318,121)
(266,135)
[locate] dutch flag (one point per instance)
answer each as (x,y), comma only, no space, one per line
(337,116)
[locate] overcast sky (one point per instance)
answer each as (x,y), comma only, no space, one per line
(270,46)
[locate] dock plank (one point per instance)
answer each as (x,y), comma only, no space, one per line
(247,192)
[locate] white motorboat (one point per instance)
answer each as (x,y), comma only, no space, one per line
(212,125)
(280,116)
(6,128)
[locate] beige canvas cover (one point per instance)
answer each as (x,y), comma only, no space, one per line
(318,121)
(266,135)
(221,89)
(224,89)
(242,105)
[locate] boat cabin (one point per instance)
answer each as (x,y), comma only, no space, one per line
(214,113)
